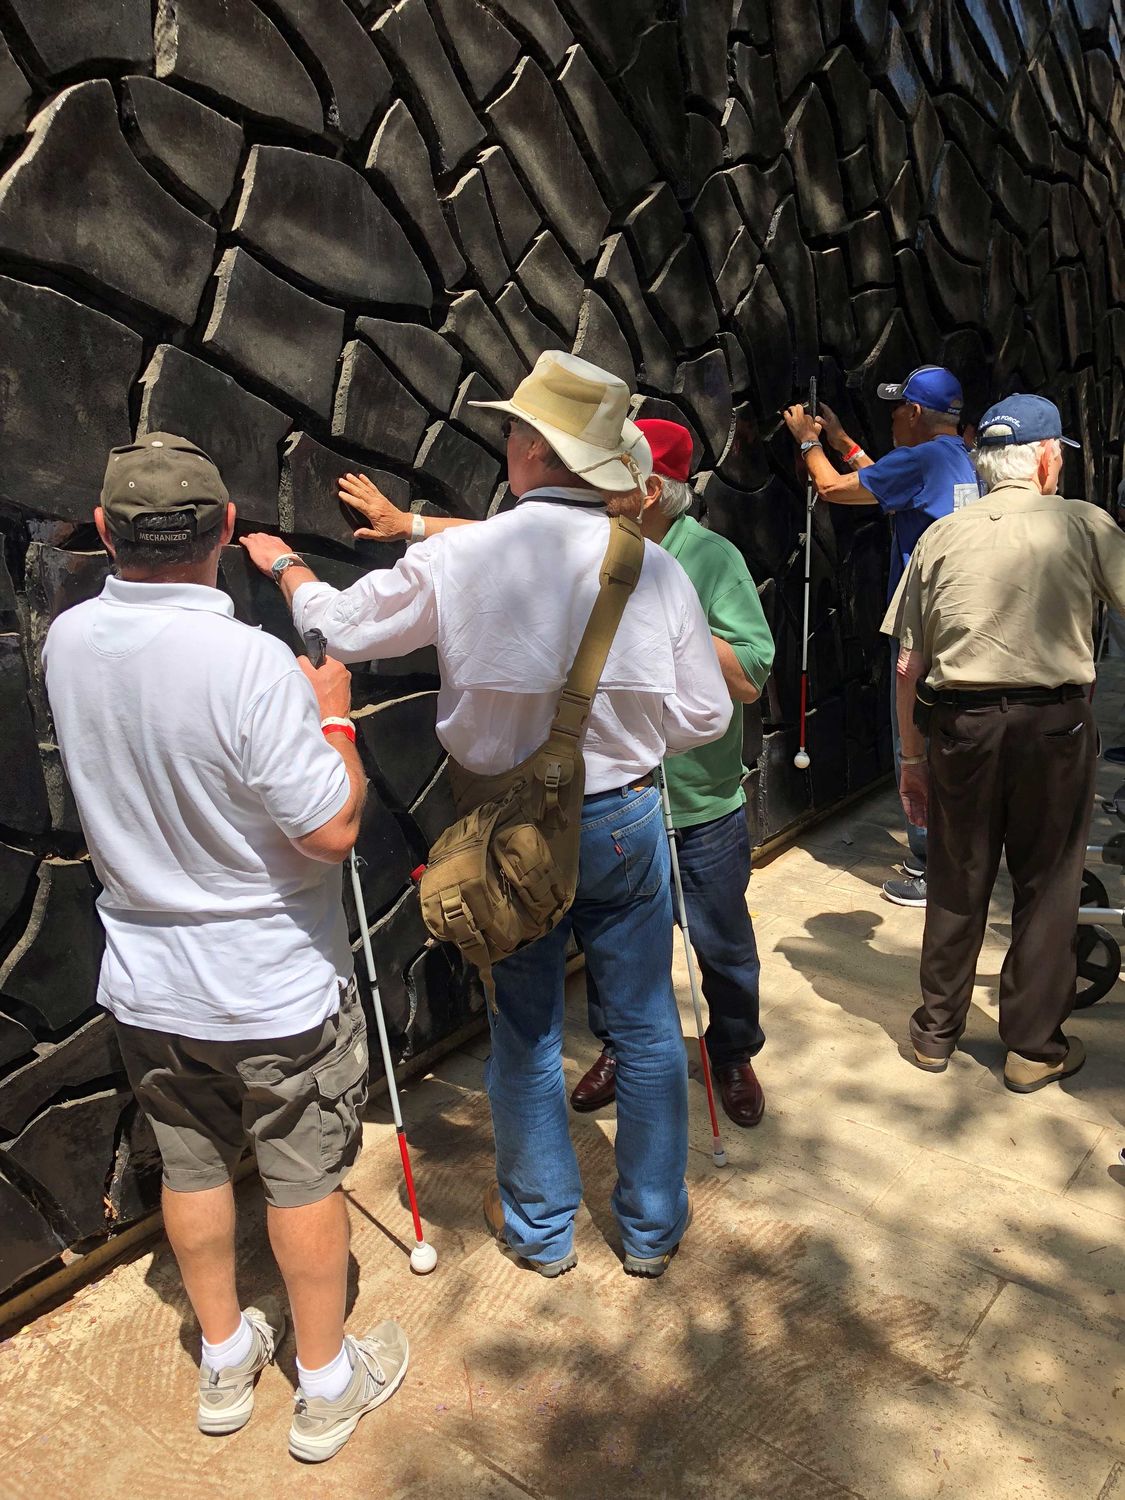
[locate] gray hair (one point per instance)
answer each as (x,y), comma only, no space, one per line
(675,497)
(1000,463)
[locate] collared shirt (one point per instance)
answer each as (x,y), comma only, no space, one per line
(1001,593)
(506,603)
(916,487)
(193,746)
(706,784)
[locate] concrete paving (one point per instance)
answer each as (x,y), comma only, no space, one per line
(903,1286)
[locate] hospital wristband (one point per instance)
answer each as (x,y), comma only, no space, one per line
(912,760)
(338,726)
(854,452)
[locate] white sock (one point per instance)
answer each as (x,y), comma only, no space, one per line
(330,1381)
(231,1351)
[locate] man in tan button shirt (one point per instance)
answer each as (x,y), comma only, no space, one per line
(993,616)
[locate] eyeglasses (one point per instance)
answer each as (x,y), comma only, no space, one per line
(510,425)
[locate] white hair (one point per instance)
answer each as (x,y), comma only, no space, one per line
(999,463)
(675,497)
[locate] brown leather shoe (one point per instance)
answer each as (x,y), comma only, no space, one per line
(743,1099)
(597,1087)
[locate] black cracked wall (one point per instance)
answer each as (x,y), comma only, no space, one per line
(307,232)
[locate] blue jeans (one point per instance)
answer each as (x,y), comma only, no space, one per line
(714,871)
(622,915)
(915,837)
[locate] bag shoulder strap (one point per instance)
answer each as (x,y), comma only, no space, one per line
(621,568)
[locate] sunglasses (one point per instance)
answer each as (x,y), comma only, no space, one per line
(510,425)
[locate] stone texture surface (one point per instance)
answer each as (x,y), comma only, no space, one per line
(231,50)
(321,220)
(81,32)
(272,332)
(408,34)
(239,431)
(78,199)
(531,125)
(399,162)
(717,199)
(358,79)
(55,354)
(195,150)
(374,410)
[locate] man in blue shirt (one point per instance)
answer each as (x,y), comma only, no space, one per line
(927,474)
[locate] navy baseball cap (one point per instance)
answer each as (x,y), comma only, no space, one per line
(929,386)
(1021,419)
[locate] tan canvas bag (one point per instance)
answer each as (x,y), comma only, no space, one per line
(506,872)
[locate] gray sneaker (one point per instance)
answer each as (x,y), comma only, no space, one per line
(226,1397)
(321,1428)
(910,891)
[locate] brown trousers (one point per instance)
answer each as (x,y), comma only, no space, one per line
(1018,779)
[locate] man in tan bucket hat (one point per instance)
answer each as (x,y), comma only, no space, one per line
(506,604)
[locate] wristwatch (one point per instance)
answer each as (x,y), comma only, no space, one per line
(289,560)
(810,443)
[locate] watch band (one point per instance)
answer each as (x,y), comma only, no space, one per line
(282,564)
(812,443)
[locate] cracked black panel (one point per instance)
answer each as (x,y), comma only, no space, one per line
(308,235)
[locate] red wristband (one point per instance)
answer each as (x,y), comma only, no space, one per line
(853,452)
(347,729)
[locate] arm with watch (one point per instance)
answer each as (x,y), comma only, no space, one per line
(810,433)
(385,613)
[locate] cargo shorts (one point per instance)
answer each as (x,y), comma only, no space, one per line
(297,1100)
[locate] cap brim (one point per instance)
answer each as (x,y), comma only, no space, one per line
(582,459)
(889,392)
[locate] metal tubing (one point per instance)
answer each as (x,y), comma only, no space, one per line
(718,1154)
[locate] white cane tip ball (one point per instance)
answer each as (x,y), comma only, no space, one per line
(801,760)
(423,1259)
(720,1158)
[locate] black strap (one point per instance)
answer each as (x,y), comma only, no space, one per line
(989,697)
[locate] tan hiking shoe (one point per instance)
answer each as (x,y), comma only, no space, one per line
(320,1427)
(1023,1075)
(226,1397)
(656,1265)
(494,1218)
(930,1064)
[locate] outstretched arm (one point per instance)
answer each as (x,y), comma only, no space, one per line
(385,521)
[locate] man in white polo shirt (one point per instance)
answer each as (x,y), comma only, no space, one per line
(217,815)
(506,603)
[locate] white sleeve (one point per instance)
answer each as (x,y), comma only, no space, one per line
(301,779)
(389,612)
(700,709)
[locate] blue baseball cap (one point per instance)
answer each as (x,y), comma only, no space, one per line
(929,386)
(1021,419)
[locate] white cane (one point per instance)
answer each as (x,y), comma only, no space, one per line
(801,759)
(717,1152)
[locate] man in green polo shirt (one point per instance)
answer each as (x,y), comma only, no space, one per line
(707,795)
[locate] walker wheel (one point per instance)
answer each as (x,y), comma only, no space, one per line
(1094,892)
(1099,964)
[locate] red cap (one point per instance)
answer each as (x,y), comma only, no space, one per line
(671,447)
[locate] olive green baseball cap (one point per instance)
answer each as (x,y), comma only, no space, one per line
(162,475)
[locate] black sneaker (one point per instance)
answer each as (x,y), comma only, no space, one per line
(908,892)
(913,866)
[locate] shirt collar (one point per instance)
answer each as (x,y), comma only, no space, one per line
(565,494)
(167,596)
(676,535)
(1023,487)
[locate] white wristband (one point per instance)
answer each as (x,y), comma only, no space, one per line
(418,528)
(339,723)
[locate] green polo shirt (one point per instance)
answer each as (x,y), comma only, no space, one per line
(706,784)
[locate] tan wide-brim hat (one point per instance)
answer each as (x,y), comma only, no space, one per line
(581,410)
